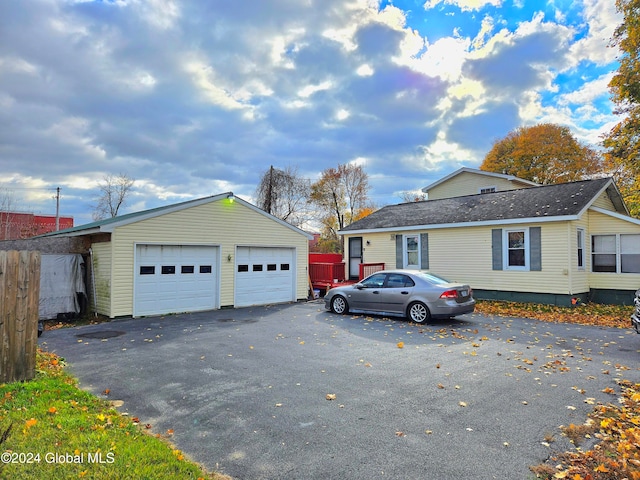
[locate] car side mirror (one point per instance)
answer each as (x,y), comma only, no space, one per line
(359,286)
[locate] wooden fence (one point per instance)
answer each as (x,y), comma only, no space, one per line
(19,299)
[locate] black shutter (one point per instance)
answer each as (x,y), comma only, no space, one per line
(496,248)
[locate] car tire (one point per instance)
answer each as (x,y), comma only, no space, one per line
(339,304)
(418,312)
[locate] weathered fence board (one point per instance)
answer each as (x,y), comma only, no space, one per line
(19,299)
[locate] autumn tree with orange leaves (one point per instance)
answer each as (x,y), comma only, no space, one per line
(622,158)
(342,197)
(546,153)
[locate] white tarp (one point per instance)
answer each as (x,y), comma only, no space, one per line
(60,281)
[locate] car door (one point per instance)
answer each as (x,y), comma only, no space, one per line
(395,295)
(367,295)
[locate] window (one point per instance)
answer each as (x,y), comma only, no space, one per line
(257,267)
(147,270)
(168,269)
(284,266)
(187,269)
(616,253)
(205,268)
(396,280)
(374,281)
(603,253)
(243,268)
(580,248)
(516,251)
(630,253)
(488,190)
(411,251)
(271,267)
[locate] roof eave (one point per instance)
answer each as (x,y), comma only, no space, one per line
(483,223)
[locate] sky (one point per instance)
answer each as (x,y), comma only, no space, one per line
(193,98)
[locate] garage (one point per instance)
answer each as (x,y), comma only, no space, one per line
(264,275)
(175,278)
(202,254)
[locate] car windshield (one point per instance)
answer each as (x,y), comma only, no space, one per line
(431,278)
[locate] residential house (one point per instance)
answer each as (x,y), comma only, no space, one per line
(510,239)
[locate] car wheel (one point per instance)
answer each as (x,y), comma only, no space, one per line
(339,304)
(418,312)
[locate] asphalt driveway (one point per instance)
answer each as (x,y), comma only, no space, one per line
(245,391)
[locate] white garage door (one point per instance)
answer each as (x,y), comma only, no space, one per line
(264,275)
(175,278)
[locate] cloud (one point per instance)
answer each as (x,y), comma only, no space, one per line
(192,98)
(464,5)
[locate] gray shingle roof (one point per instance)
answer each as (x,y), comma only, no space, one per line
(566,199)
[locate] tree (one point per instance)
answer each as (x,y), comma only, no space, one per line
(342,196)
(545,154)
(411,196)
(284,194)
(623,141)
(7,207)
(114,192)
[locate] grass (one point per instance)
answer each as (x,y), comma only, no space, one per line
(51,429)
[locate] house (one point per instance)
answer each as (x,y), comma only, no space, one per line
(510,239)
(208,253)
(15,225)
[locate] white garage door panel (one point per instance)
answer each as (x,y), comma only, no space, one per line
(175,278)
(264,275)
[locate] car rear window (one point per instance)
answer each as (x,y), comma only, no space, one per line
(432,278)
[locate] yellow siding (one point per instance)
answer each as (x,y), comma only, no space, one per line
(579,277)
(600,224)
(218,223)
(101,253)
(468,183)
(381,249)
(471,248)
(604,202)
(464,254)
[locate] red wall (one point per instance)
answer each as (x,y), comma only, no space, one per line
(14,225)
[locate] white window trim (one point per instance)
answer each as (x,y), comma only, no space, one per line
(405,253)
(580,232)
(505,249)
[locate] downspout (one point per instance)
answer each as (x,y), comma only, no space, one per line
(93,284)
(569,257)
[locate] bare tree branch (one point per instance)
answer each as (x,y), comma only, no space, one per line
(114,192)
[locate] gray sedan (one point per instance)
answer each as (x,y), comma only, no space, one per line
(417,295)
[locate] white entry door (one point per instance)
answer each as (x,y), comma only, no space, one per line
(175,279)
(264,275)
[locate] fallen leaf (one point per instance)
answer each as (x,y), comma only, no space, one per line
(400,345)
(331,396)
(462,404)
(399,434)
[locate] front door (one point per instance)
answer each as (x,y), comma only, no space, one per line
(355,257)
